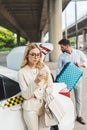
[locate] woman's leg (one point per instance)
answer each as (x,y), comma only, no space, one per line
(42,125)
(31,120)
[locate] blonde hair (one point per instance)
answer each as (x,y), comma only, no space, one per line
(25,61)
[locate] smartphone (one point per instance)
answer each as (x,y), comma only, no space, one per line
(43,71)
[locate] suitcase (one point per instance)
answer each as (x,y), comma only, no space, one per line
(70,75)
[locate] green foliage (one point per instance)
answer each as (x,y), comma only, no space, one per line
(22,41)
(2,44)
(5,49)
(6,38)
(72,40)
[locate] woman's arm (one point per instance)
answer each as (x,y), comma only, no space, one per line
(27,88)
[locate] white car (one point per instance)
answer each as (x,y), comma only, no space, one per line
(11,99)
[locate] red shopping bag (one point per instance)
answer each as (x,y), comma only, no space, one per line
(65,92)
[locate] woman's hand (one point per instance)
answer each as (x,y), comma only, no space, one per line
(39,78)
(32,96)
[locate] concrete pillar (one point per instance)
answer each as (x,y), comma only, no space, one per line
(42,35)
(55,26)
(84,38)
(18,38)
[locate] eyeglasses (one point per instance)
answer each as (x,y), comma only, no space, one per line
(35,55)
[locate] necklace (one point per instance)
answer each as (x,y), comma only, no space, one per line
(34,71)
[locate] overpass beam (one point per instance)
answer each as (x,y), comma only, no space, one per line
(55,26)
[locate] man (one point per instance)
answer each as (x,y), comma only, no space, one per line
(78,58)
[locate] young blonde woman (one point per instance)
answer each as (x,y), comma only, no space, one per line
(34,79)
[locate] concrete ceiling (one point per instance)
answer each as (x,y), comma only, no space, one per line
(25,17)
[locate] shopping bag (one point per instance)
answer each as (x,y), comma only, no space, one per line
(50,120)
(69,75)
(56,108)
(65,92)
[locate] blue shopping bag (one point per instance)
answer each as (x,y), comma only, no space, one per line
(70,75)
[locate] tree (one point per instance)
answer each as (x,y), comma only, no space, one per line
(6,38)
